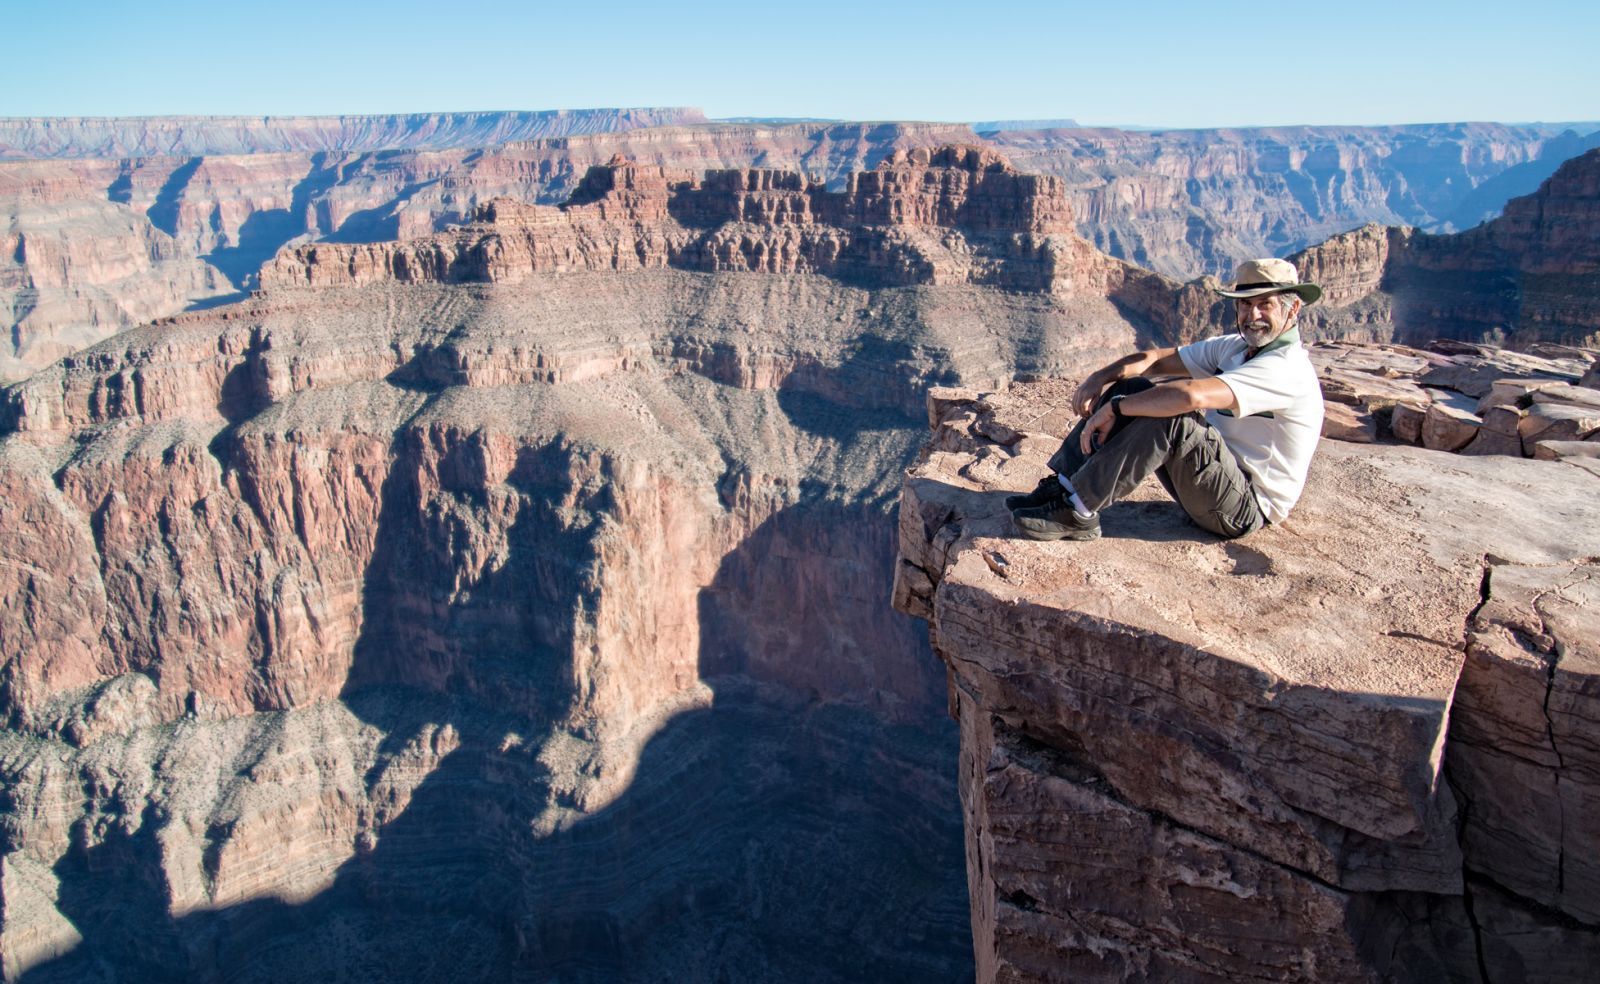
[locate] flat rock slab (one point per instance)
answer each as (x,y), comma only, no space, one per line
(1476,374)
(1288,692)
(1367,389)
(1392,361)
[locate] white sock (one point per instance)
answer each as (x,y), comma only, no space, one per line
(1072,496)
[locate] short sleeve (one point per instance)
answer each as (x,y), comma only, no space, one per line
(1204,358)
(1266,385)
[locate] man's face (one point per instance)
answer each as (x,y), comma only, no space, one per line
(1261,319)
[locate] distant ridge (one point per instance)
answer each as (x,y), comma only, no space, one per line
(192,136)
(777,120)
(994,126)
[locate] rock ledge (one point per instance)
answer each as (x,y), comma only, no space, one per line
(1320,753)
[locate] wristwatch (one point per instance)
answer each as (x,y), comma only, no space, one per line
(1116,407)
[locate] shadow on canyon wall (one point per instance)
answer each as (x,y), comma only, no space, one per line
(805,827)
(263,233)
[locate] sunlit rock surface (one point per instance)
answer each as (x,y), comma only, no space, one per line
(514,629)
(1317,753)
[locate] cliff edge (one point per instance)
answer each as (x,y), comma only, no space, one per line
(1352,747)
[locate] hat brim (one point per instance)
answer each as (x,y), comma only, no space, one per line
(1309,293)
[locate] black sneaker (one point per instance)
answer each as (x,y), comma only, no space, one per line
(1056,520)
(1047,490)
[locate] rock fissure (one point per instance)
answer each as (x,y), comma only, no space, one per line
(1388,691)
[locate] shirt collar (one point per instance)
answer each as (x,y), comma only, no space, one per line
(1290,337)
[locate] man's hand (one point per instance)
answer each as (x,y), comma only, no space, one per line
(1095,429)
(1083,399)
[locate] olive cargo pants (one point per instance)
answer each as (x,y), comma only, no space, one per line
(1186,454)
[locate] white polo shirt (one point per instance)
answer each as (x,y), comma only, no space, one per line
(1279,421)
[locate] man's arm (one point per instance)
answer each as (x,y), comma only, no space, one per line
(1169,399)
(1154,362)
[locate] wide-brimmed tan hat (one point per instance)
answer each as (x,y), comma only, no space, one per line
(1270,276)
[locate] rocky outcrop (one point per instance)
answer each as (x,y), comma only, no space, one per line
(1528,276)
(954,215)
(1455,396)
(197,136)
(1180,203)
(233,212)
(1193,202)
(958,214)
(1348,748)
(535,619)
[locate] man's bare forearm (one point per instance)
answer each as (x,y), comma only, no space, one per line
(1178,396)
(1152,362)
(1168,399)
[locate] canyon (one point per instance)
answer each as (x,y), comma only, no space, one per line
(1531,275)
(507,601)
(518,612)
(113,223)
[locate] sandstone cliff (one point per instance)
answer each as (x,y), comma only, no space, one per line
(1355,747)
(1181,203)
(514,626)
(1193,202)
(1531,275)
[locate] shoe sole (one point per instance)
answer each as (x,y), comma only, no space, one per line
(1065,533)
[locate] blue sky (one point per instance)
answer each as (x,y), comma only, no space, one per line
(1156,64)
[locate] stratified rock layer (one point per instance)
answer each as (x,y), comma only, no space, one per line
(1318,753)
(195,136)
(1531,275)
(226,194)
(514,627)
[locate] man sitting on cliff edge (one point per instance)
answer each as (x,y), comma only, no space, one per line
(1231,442)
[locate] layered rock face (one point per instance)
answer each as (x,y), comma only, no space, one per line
(1529,276)
(1194,202)
(80,268)
(192,136)
(231,193)
(955,215)
(233,212)
(1358,746)
(525,628)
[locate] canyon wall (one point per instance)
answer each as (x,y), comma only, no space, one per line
(1182,203)
(1355,746)
(1531,275)
(1193,202)
(512,627)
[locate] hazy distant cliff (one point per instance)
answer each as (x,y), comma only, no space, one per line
(194,136)
(1189,202)
(1533,274)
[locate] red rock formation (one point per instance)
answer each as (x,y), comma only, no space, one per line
(959,214)
(1529,276)
(1180,203)
(1185,759)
